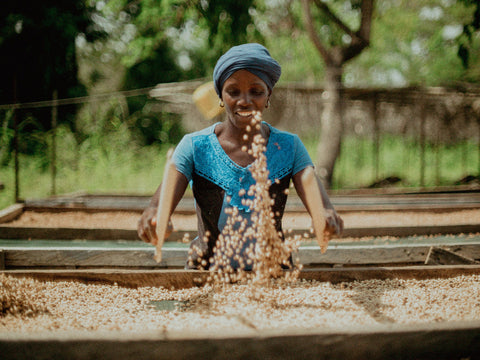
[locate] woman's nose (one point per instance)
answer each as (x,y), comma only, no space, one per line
(244,99)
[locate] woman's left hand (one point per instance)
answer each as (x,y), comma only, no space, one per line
(334,224)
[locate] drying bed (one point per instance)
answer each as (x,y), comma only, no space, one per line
(31,254)
(19,222)
(371,295)
(416,312)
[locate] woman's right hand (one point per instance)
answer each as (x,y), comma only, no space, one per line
(147,226)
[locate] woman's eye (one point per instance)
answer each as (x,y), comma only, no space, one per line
(233,93)
(253,92)
(257,92)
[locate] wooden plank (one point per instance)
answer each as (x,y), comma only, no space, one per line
(442,256)
(89,210)
(427,342)
(179,279)
(23,232)
(34,257)
(360,255)
(411,230)
(11,213)
(470,251)
(371,201)
(424,272)
(81,257)
(2,259)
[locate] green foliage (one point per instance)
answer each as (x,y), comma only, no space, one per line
(465,42)
(150,19)
(228,23)
(103,163)
(172,41)
(38,56)
(38,48)
(281,26)
(151,123)
(186,27)
(135,44)
(413,43)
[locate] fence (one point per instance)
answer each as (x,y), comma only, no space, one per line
(428,119)
(425,118)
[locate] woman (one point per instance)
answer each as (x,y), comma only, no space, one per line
(216,164)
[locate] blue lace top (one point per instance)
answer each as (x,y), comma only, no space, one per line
(201,153)
(216,181)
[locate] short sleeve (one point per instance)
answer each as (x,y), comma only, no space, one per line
(302,158)
(183,157)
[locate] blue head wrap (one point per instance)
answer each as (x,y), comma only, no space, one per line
(252,57)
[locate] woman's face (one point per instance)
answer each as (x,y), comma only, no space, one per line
(242,93)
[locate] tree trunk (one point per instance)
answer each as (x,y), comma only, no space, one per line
(331,125)
(335,57)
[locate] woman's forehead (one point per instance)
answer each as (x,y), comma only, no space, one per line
(244,76)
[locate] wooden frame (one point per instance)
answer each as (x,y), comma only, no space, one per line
(425,341)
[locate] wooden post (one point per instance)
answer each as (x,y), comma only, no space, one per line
(15,142)
(53,165)
(465,154)
(437,145)
(2,259)
(437,160)
(376,138)
(478,145)
(423,115)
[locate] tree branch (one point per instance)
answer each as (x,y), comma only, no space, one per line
(313,34)
(326,10)
(366,20)
(361,39)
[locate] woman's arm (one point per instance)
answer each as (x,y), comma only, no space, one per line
(334,223)
(148,221)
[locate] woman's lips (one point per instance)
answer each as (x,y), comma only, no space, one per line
(245,113)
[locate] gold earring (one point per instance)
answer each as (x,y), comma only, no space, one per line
(220,103)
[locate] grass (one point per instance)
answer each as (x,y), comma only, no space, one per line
(107,164)
(114,163)
(360,165)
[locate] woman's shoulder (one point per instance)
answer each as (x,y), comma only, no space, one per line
(203,132)
(286,135)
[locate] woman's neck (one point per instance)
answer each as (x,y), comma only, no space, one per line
(241,136)
(236,142)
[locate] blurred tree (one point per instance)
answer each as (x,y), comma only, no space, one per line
(192,34)
(413,43)
(336,48)
(38,56)
(169,41)
(471,26)
(229,23)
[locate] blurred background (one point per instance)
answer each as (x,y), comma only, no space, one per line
(93,93)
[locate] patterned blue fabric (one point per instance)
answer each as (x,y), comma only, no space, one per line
(252,57)
(201,153)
